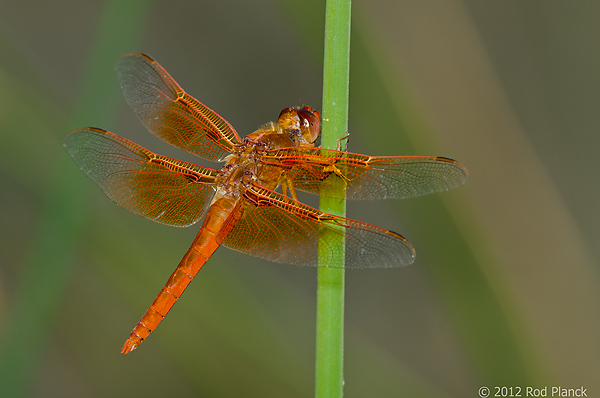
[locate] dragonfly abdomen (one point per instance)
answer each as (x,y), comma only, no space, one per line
(207,240)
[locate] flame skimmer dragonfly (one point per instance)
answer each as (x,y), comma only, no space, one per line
(243,211)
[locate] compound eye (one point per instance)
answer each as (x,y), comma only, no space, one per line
(310,124)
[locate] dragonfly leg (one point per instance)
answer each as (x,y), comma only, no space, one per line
(286,183)
(289,184)
(339,142)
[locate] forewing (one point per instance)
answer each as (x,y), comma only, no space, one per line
(162,189)
(276,228)
(368,177)
(170,113)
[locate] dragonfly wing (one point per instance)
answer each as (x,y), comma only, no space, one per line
(169,112)
(162,189)
(276,228)
(368,177)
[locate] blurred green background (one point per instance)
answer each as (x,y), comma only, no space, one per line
(504,291)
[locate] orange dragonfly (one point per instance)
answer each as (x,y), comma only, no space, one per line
(243,211)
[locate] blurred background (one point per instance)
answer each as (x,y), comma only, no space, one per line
(504,291)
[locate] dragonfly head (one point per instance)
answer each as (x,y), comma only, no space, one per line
(303,125)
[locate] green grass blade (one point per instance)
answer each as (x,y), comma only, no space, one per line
(329,375)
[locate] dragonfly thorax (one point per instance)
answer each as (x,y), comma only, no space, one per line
(240,169)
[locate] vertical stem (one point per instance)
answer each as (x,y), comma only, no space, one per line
(329,375)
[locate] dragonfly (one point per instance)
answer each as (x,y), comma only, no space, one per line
(239,201)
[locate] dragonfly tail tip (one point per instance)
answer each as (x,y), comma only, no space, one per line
(128,347)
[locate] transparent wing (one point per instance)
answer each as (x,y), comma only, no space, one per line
(276,228)
(368,177)
(170,113)
(162,189)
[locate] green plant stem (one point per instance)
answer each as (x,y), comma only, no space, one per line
(329,374)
